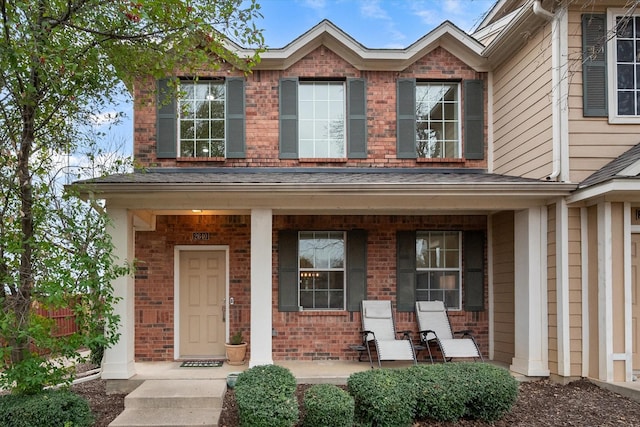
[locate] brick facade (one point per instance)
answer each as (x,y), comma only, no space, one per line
(261,95)
(304,335)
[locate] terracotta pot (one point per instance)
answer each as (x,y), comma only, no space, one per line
(236,353)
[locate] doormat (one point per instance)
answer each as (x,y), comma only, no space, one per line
(213,363)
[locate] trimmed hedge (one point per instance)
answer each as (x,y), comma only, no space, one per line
(45,409)
(382,398)
(442,392)
(266,397)
(327,405)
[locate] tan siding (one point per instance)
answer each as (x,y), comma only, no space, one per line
(522,111)
(617,261)
(593,141)
(552,296)
(575,291)
(503,279)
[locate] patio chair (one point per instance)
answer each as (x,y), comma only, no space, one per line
(434,326)
(378,326)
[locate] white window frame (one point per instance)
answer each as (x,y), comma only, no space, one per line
(304,271)
(444,269)
(224,121)
(320,121)
(612,69)
(458,119)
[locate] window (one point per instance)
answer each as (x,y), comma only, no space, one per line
(321,262)
(438,272)
(627,65)
(438,120)
(323,119)
(321,107)
(201,123)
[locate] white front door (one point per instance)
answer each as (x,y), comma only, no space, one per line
(202,304)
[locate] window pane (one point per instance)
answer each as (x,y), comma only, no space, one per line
(626,106)
(321,107)
(437,120)
(322,275)
(201,106)
(438,267)
(625,76)
(627,65)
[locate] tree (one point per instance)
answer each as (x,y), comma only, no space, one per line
(59,61)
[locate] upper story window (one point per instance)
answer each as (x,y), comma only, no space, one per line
(201,124)
(323,119)
(438,120)
(322,270)
(321,107)
(626,67)
(201,119)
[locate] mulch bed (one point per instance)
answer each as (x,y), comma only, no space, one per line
(541,403)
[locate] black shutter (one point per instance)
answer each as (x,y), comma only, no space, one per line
(288,270)
(357,118)
(289,118)
(406,271)
(406,120)
(235,137)
(473,275)
(356,268)
(594,66)
(474,119)
(166,121)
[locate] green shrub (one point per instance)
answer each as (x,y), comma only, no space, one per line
(266,396)
(492,391)
(50,408)
(327,405)
(439,394)
(382,398)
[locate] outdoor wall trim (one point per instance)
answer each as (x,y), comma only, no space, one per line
(584,261)
(628,297)
(605,293)
(490,285)
(562,288)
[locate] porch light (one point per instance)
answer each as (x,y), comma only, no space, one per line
(196,210)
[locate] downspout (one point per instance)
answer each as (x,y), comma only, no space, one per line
(538,10)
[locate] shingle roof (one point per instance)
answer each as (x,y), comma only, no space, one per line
(337,175)
(613,168)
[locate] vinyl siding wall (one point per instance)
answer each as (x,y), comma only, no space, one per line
(522,111)
(503,279)
(575,292)
(593,142)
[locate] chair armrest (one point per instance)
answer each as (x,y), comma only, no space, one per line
(425,334)
(464,332)
(365,334)
(405,334)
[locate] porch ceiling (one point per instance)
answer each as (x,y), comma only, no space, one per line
(322,190)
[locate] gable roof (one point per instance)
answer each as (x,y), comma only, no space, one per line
(325,33)
(625,166)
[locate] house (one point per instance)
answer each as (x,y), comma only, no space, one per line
(495,171)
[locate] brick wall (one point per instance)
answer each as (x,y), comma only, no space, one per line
(262,112)
(300,335)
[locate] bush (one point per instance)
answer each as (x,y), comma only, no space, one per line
(327,405)
(439,394)
(382,398)
(266,396)
(45,409)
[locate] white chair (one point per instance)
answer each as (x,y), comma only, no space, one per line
(434,326)
(378,326)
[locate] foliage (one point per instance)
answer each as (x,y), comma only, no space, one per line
(327,405)
(440,395)
(61,61)
(382,398)
(266,397)
(236,338)
(49,408)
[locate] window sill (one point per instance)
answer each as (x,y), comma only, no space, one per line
(440,160)
(200,159)
(320,313)
(321,160)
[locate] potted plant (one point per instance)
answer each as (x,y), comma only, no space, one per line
(236,349)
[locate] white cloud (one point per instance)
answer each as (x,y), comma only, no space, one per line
(372,9)
(317,5)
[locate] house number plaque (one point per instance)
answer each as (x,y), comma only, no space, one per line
(200,236)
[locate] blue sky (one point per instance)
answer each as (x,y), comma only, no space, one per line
(373,23)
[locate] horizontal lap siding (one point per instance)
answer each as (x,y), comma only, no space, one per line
(552,294)
(593,142)
(575,291)
(522,111)
(503,292)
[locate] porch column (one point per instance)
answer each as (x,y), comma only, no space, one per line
(261,287)
(118,362)
(530,297)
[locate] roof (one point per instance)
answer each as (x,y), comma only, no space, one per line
(625,166)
